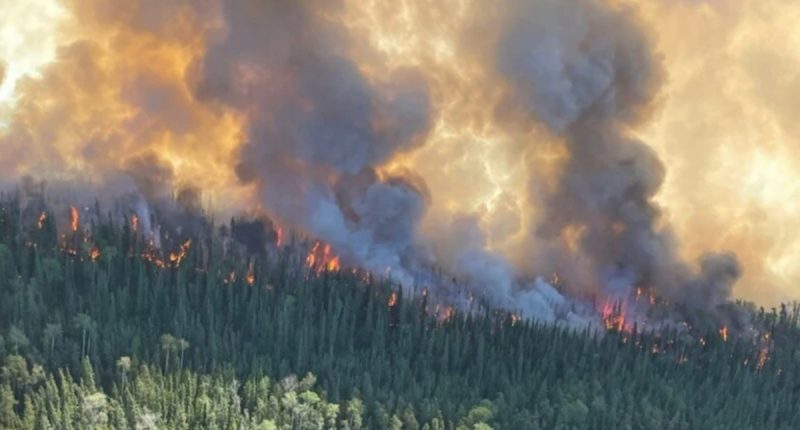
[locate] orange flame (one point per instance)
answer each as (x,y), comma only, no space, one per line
(42,219)
(763,357)
(95,254)
(74,218)
(321,258)
(448,314)
(444,314)
(614,316)
(250,278)
(176,257)
(135,222)
(724,333)
(392,300)
(311,258)
(279,237)
(332,262)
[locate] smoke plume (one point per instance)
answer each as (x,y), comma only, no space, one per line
(493,145)
(589,74)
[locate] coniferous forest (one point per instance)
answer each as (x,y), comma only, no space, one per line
(99,328)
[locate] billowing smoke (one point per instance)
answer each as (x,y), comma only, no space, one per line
(317,128)
(587,71)
(287,107)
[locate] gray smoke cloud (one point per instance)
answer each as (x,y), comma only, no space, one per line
(317,129)
(587,71)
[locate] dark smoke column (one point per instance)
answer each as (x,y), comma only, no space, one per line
(317,128)
(586,70)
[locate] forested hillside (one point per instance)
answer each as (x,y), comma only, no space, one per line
(102,329)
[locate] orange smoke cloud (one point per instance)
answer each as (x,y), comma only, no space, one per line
(118,96)
(121,101)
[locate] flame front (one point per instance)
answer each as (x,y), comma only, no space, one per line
(321,258)
(176,257)
(250,278)
(74,218)
(123,99)
(614,315)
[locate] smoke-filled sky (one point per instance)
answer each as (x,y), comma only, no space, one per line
(610,140)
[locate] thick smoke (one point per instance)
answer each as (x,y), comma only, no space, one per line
(317,128)
(587,71)
(278,100)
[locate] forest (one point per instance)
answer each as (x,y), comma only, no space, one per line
(104,327)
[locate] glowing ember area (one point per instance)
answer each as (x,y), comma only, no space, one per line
(764,350)
(723,332)
(444,313)
(134,222)
(176,257)
(250,278)
(321,258)
(614,316)
(95,254)
(42,219)
(279,237)
(392,300)
(763,357)
(152,255)
(74,218)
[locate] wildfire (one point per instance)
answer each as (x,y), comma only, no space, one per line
(135,222)
(724,333)
(95,254)
(311,258)
(42,219)
(448,313)
(176,257)
(614,316)
(151,255)
(321,258)
(279,237)
(763,357)
(444,314)
(250,278)
(392,300)
(763,351)
(74,218)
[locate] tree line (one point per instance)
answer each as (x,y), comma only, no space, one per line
(98,325)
